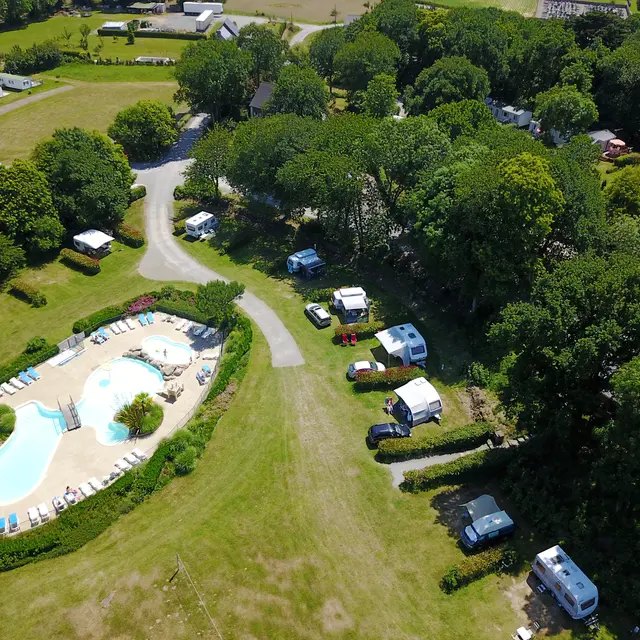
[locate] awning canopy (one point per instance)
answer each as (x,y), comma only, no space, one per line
(421,398)
(405,342)
(482,506)
(93,238)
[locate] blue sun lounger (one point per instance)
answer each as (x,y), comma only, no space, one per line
(3,526)
(33,373)
(150,317)
(14,525)
(25,378)
(143,320)
(103,332)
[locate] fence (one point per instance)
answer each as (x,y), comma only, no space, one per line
(72,341)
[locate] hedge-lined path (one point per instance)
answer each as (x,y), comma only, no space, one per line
(164,260)
(35,98)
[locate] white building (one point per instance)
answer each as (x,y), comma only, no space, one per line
(508,114)
(201,223)
(196,8)
(575,593)
(114,26)
(418,402)
(93,242)
(352,303)
(405,342)
(535,128)
(204,20)
(17,83)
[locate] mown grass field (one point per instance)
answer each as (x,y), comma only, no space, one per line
(16,96)
(89,106)
(111,73)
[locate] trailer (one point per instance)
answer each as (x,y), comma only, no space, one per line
(204,20)
(196,8)
(17,83)
(200,224)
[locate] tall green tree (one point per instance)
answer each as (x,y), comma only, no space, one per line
(380,97)
(579,75)
(213,77)
(323,50)
(89,177)
(398,20)
(463,118)
(300,91)
(145,130)
(266,49)
(12,258)
(210,163)
(216,300)
(447,80)
(27,214)
(623,193)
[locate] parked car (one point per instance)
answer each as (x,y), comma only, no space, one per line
(319,316)
(364,365)
(387,430)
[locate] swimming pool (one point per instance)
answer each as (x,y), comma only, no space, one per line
(167,350)
(25,456)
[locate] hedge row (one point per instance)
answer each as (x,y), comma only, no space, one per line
(130,236)
(37,350)
(98,319)
(180,308)
(361,329)
(137,192)
(474,567)
(630,159)
(79,261)
(24,290)
(169,35)
(388,379)
(91,517)
(481,465)
(460,439)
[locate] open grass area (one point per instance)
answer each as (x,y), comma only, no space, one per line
(111,73)
(526,7)
(318,11)
(90,106)
(16,96)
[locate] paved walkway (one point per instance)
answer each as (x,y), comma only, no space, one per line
(165,260)
(308,29)
(35,98)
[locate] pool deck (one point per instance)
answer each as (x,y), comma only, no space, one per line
(79,455)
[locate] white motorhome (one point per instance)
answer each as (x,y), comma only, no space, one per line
(196,8)
(204,20)
(293,261)
(93,242)
(200,224)
(418,402)
(575,593)
(405,342)
(352,303)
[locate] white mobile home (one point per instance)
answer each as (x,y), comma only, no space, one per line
(114,26)
(403,341)
(204,20)
(17,83)
(508,114)
(418,402)
(575,593)
(200,224)
(196,8)
(93,242)
(352,303)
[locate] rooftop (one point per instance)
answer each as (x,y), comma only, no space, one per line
(568,573)
(114,25)
(199,218)
(93,238)
(262,95)
(13,76)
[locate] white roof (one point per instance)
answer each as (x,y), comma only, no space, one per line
(114,25)
(352,298)
(204,15)
(567,572)
(492,522)
(199,218)
(418,395)
(93,238)
(396,339)
(603,135)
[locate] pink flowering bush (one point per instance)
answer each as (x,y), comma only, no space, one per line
(143,302)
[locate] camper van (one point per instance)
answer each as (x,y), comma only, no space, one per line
(418,402)
(575,593)
(200,224)
(488,523)
(352,303)
(293,261)
(405,342)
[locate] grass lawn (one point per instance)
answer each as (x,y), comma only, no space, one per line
(88,106)
(111,73)
(16,96)
(526,7)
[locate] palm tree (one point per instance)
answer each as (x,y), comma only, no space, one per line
(131,415)
(144,401)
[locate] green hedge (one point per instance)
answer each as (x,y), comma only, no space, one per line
(79,261)
(7,421)
(98,319)
(25,291)
(460,439)
(474,567)
(130,236)
(179,227)
(37,350)
(361,329)
(388,379)
(180,308)
(85,521)
(168,35)
(478,466)
(137,192)
(630,159)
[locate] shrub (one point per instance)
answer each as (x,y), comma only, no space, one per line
(37,350)
(478,466)
(152,420)
(38,57)
(180,308)
(460,439)
(25,291)
(477,566)
(79,261)
(179,227)
(186,461)
(630,159)
(99,318)
(389,379)
(173,35)
(142,303)
(361,329)
(180,193)
(478,375)
(7,421)
(137,192)
(130,236)
(35,344)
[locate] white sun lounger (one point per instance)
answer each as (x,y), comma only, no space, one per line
(8,388)
(198,330)
(43,511)
(180,324)
(71,498)
(130,323)
(114,327)
(187,327)
(171,319)
(141,455)
(122,465)
(16,383)
(86,490)
(207,333)
(34,518)
(131,459)
(58,504)
(122,326)
(94,484)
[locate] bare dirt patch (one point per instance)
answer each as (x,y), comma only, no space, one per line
(335,618)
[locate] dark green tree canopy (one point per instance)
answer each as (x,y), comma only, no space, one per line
(464,118)
(12,258)
(323,50)
(266,49)
(379,98)
(299,91)
(216,300)
(623,193)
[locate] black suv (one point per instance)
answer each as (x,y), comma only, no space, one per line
(387,430)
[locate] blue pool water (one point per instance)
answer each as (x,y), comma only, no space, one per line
(167,350)
(25,456)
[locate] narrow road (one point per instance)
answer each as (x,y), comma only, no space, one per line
(35,98)
(308,29)
(165,260)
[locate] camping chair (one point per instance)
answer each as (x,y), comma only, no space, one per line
(354,339)
(345,340)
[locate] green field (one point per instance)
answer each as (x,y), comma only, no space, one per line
(90,106)
(111,73)
(16,96)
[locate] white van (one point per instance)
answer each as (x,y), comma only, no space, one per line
(200,224)
(293,261)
